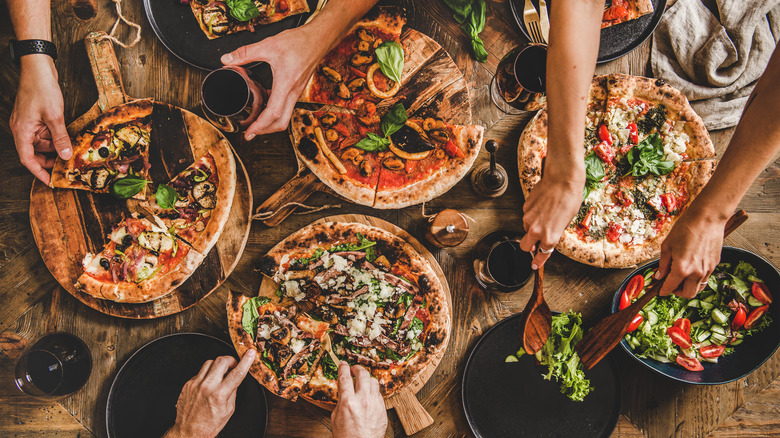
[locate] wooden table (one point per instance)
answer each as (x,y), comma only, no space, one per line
(32,303)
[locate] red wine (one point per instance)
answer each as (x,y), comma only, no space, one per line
(509,265)
(44,371)
(531,68)
(58,364)
(225,92)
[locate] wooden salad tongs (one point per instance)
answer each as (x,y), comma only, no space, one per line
(536,322)
(605,335)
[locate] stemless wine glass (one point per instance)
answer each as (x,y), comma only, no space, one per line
(520,80)
(499,263)
(54,366)
(231,98)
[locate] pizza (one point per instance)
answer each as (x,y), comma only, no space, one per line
(158,247)
(219,18)
(370,292)
(620,11)
(113,146)
(647,155)
(350,74)
(422,160)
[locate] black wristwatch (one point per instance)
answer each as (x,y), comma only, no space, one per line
(29,47)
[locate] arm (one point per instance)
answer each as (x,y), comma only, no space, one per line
(571,61)
(692,249)
(37,119)
(360,412)
(293,56)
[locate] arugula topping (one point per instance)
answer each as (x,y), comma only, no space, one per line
(127,187)
(647,157)
(269,363)
(329,369)
(471,15)
(594,173)
(363,244)
(166,196)
(242,10)
(390,56)
(251,315)
(306,260)
(391,122)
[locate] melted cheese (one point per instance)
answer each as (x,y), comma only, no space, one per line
(296,345)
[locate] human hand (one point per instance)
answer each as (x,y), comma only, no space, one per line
(37,121)
(208,400)
(690,253)
(360,412)
(293,55)
(549,209)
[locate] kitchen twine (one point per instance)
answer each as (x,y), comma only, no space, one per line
(263,215)
(118,4)
(433,215)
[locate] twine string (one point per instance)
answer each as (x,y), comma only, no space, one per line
(263,215)
(121,18)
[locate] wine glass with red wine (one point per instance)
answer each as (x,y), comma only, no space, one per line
(520,80)
(54,367)
(499,263)
(231,98)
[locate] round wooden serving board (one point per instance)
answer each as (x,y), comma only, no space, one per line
(412,415)
(67,224)
(432,86)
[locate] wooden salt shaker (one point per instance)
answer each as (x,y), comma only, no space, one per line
(448,228)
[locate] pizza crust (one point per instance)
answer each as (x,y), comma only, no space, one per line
(226,172)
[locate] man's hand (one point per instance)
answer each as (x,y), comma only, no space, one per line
(360,412)
(37,119)
(208,400)
(550,207)
(690,253)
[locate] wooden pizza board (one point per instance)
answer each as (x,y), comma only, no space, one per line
(412,414)
(67,224)
(433,86)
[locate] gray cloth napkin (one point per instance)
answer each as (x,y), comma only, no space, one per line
(716,64)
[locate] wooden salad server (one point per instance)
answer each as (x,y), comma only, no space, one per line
(605,335)
(537,319)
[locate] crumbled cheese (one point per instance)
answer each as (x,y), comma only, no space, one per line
(357,326)
(118,234)
(374,331)
(296,345)
(292,289)
(264,332)
(360,277)
(385,290)
(412,334)
(91,264)
(339,263)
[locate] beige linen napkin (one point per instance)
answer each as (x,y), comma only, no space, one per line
(716,64)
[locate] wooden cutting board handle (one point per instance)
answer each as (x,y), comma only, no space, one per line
(412,414)
(105,68)
(298,189)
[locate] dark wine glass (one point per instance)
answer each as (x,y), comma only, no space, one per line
(231,98)
(53,367)
(520,80)
(499,263)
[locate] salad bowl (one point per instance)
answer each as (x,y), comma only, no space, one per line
(747,356)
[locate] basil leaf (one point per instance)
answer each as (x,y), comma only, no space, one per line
(373,143)
(594,168)
(461,9)
(647,157)
(394,119)
(471,15)
(127,187)
(251,315)
(166,196)
(390,56)
(242,10)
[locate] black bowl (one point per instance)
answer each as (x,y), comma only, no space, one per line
(748,356)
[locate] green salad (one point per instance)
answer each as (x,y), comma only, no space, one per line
(688,331)
(558,355)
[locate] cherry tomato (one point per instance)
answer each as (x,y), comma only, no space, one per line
(739,318)
(689,363)
(623,198)
(669,201)
(684,324)
(614,232)
(712,350)
(679,337)
(635,323)
(453,150)
(410,165)
(282,6)
(754,316)
(761,292)
(635,286)
(624,301)
(341,129)
(633,134)
(604,134)
(586,220)
(604,152)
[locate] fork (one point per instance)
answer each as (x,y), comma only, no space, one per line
(531,20)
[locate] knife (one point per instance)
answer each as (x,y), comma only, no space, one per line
(544,21)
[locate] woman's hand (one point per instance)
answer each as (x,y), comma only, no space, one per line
(360,412)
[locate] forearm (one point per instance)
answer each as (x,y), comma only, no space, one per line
(755,142)
(335,19)
(31,19)
(571,60)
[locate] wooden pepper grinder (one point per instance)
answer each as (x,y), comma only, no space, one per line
(490,179)
(448,228)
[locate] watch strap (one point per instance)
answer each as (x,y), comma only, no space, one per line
(29,47)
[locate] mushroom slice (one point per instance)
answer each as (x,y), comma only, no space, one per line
(282,335)
(331,74)
(205,193)
(100,178)
(298,275)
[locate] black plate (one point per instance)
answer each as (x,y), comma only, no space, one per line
(176,27)
(748,356)
(616,40)
(512,399)
(142,399)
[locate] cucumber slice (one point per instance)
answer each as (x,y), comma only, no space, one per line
(754,302)
(703,336)
(710,298)
(706,306)
(736,342)
(694,303)
(510,358)
(652,318)
(710,359)
(719,316)
(520,352)
(718,338)
(718,329)
(698,323)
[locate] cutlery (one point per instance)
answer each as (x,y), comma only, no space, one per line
(544,20)
(531,20)
(329,348)
(537,319)
(605,335)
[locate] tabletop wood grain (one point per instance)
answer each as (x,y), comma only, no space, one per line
(32,303)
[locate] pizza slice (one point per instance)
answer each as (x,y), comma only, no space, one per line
(113,146)
(220,18)
(140,262)
(350,73)
(620,11)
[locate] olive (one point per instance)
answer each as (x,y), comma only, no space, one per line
(119,247)
(127,240)
(105,263)
(155,253)
(137,165)
(117,258)
(103,152)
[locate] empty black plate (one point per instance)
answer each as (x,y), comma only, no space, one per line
(616,40)
(176,27)
(142,399)
(513,399)
(748,356)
